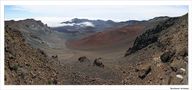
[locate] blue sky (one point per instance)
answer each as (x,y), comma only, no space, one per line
(53,15)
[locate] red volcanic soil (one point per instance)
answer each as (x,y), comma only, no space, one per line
(108,38)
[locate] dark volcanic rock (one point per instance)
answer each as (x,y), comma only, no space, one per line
(98,62)
(166,57)
(150,36)
(83,59)
(55,56)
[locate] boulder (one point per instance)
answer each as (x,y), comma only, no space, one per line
(98,62)
(144,73)
(83,59)
(55,56)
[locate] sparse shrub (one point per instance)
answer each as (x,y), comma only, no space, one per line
(14,67)
(50,82)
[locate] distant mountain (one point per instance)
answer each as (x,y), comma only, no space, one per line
(123,35)
(156,19)
(84,25)
(79,28)
(120,34)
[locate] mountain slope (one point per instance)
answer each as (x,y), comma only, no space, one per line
(26,65)
(108,38)
(160,55)
(35,32)
(39,35)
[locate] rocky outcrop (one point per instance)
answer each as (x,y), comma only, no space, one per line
(150,36)
(166,56)
(163,48)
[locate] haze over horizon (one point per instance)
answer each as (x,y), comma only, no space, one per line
(54,15)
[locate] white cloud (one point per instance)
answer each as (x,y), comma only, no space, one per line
(85,24)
